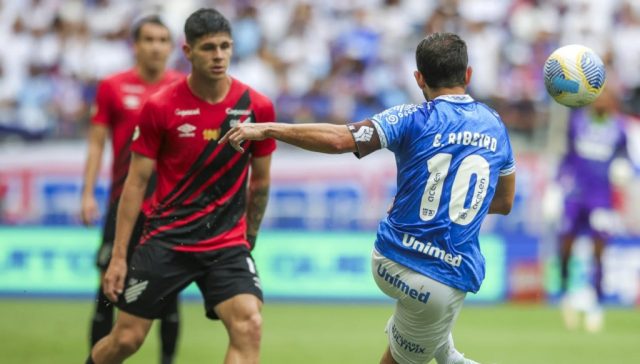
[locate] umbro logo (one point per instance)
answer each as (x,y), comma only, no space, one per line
(186,130)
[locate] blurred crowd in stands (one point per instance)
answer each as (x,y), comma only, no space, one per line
(321,60)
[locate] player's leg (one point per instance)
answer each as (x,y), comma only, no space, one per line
(169,328)
(424,315)
(242,318)
(155,277)
(566,246)
(387,358)
(447,354)
(598,250)
(102,320)
(232,293)
(170,319)
(125,339)
(575,219)
(594,317)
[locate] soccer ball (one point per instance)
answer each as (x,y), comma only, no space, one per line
(574,75)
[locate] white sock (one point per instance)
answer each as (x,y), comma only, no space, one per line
(447,354)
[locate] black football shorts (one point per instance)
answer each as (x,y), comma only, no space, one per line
(157,274)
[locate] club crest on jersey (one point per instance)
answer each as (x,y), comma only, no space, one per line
(234,122)
(211,134)
(186,130)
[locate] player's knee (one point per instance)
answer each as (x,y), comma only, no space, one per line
(247,328)
(129,341)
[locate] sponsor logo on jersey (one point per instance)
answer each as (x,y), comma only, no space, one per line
(211,134)
(186,130)
(131,102)
(398,283)
(237,112)
(132,89)
(404,343)
(431,250)
(188,112)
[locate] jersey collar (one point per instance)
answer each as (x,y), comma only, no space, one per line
(458,99)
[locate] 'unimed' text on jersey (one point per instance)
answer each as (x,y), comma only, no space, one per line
(200,200)
(449,154)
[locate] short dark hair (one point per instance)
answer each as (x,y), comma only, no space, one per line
(442,60)
(149,19)
(204,22)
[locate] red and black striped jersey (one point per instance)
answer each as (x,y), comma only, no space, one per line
(118,104)
(200,200)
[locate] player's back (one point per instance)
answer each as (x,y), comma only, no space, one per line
(450,153)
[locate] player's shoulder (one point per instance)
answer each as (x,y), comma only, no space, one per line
(167,95)
(396,113)
(119,77)
(172,76)
(258,99)
(491,112)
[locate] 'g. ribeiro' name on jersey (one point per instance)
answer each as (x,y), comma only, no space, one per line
(449,153)
(200,200)
(119,101)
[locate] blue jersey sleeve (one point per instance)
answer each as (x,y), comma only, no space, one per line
(392,125)
(510,165)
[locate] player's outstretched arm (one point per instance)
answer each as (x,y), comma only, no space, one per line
(505,193)
(316,137)
(96,140)
(133,193)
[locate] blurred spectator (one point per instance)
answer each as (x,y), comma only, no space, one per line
(329,60)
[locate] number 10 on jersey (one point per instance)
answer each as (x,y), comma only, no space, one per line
(438,167)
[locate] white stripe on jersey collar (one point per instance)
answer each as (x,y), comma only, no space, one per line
(455,98)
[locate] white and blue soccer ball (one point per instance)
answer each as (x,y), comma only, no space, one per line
(574,75)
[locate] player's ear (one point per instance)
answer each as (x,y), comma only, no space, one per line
(186,49)
(467,76)
(419,79)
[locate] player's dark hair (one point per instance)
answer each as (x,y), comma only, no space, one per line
(149,19)
(442,59)
(204,22)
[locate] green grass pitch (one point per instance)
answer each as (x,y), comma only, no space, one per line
(43,331)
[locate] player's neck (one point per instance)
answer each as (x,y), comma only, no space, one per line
(208,91)
(149,75)
(433,93)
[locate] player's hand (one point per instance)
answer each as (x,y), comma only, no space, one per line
(246,131)
(89,209)
(113,282)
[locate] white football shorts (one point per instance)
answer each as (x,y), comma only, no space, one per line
(425,310)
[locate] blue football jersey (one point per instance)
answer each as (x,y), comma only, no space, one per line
(449,153)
